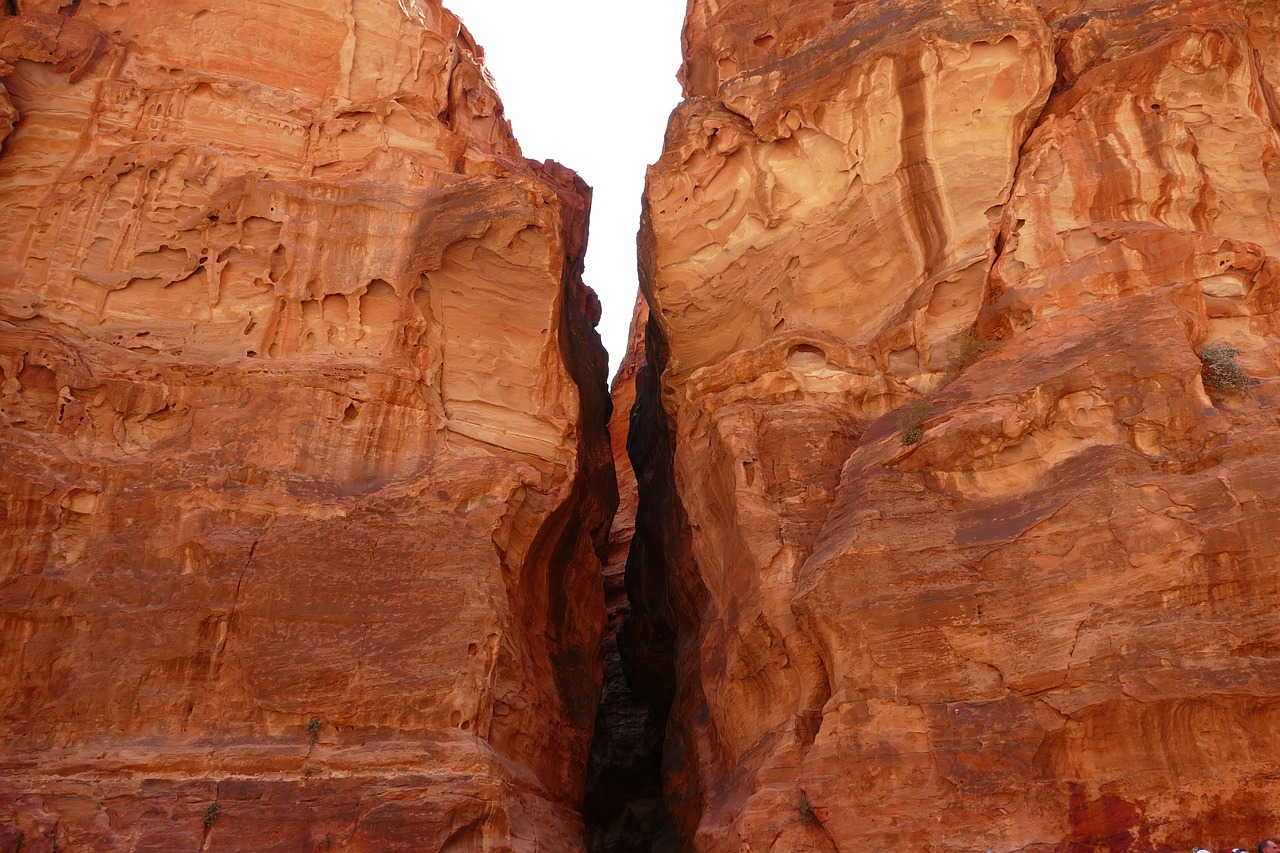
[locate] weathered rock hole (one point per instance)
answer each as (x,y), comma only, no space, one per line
(469,839)
(82,502)
(806,357)
(422,298)
(350,413)
(334,309)
(279,264)
(37,377)
(379,306)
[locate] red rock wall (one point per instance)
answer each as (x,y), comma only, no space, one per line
(305,483)
(1048,623)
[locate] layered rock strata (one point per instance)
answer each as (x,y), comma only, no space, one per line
(306,480)
(951,543)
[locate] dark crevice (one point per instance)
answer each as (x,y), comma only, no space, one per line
(648,639)
(624,810)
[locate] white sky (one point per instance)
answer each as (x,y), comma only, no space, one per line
(589,83)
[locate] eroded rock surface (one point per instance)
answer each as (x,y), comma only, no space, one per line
(1008,229)
(306,484)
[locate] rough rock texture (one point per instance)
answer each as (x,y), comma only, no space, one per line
(1006,229)
(306,483)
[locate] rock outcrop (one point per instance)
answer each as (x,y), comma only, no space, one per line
(306,484)
(945,542)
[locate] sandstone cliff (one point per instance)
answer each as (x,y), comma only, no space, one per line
(306,481)
(944,542)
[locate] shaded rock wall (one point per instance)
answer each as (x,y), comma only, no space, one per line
(947,541)
(624,809)
(306,480)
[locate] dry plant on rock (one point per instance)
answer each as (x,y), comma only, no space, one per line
(967,346)
(1220,371)
(910,422)
(807,817)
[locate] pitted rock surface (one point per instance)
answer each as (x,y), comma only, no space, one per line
(306,481)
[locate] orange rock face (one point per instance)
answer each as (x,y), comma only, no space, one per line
(954,545)
(306,480)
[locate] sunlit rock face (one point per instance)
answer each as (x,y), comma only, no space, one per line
(1008,229)
(306,479)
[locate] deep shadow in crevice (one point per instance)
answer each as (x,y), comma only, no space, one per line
(624,810)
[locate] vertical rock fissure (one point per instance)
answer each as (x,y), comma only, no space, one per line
(624,811)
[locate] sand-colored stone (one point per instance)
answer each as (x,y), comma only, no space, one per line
(1049,625)
(302,418)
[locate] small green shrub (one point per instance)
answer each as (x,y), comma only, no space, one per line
(314,727)
(807,817)
(1219,369)
(211,813)
(910,422)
